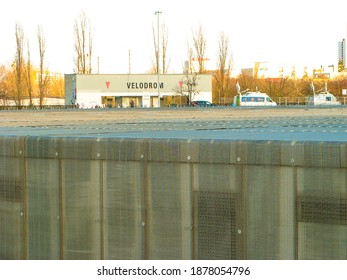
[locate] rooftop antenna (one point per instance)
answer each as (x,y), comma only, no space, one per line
(239,92)
(238,88)
(238,98)
(312,88)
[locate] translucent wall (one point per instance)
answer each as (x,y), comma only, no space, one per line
(108,198)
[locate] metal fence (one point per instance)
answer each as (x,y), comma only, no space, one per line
(105,198)
(286,101)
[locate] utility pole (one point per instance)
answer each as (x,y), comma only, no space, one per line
(129,62)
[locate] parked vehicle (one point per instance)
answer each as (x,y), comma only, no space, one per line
(202,103)
(322,97)
(252,98)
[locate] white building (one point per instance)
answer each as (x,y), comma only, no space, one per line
(123,90)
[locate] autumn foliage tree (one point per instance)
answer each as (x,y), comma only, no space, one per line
(7,84)
(54,86)
(22,81)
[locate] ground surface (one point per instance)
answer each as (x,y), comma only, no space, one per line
(74,117)
(281,123)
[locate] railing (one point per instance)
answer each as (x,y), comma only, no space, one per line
(286,101)
(281,101)
(36,107)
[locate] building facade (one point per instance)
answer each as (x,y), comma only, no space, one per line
(342,52)
(135,90)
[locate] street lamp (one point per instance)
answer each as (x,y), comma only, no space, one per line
(158,13)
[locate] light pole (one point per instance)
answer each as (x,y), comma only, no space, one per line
(158,13)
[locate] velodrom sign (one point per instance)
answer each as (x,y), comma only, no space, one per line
(144,85)
(121,83)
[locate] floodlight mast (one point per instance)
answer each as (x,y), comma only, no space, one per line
(158,13)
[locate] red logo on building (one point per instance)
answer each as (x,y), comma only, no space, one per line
(108,84)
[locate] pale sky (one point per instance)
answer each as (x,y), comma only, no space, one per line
(290,31)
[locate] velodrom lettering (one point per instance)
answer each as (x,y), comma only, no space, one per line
(144,85)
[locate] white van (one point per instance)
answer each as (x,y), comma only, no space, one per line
(251,98)
(322,97)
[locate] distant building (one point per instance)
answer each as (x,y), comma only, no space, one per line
(342,54)
(247,72)
(275,70)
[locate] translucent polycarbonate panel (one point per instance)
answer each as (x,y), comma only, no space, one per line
(216,211)
(186,210)
(324,182)
(216,178)
(167,224)
(42,147)
(322,195)
(215,226)
(322,213)
(81,209)
(124,210)
(326,155)
(322,241)
(12,211)
(214,152)
(259,152)
(110,198)
(11,235)
(43,211)
(269,197)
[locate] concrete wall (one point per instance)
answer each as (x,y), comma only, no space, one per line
(106,198)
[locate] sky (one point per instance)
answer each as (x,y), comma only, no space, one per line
(288,31)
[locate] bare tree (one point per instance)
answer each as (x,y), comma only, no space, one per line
(155,64)
(164,45)
(188,67)
(19,61)
(90,50)
(43,78)
(29,76)
(188,87)
(224,62)
(200,47)
(83,45)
